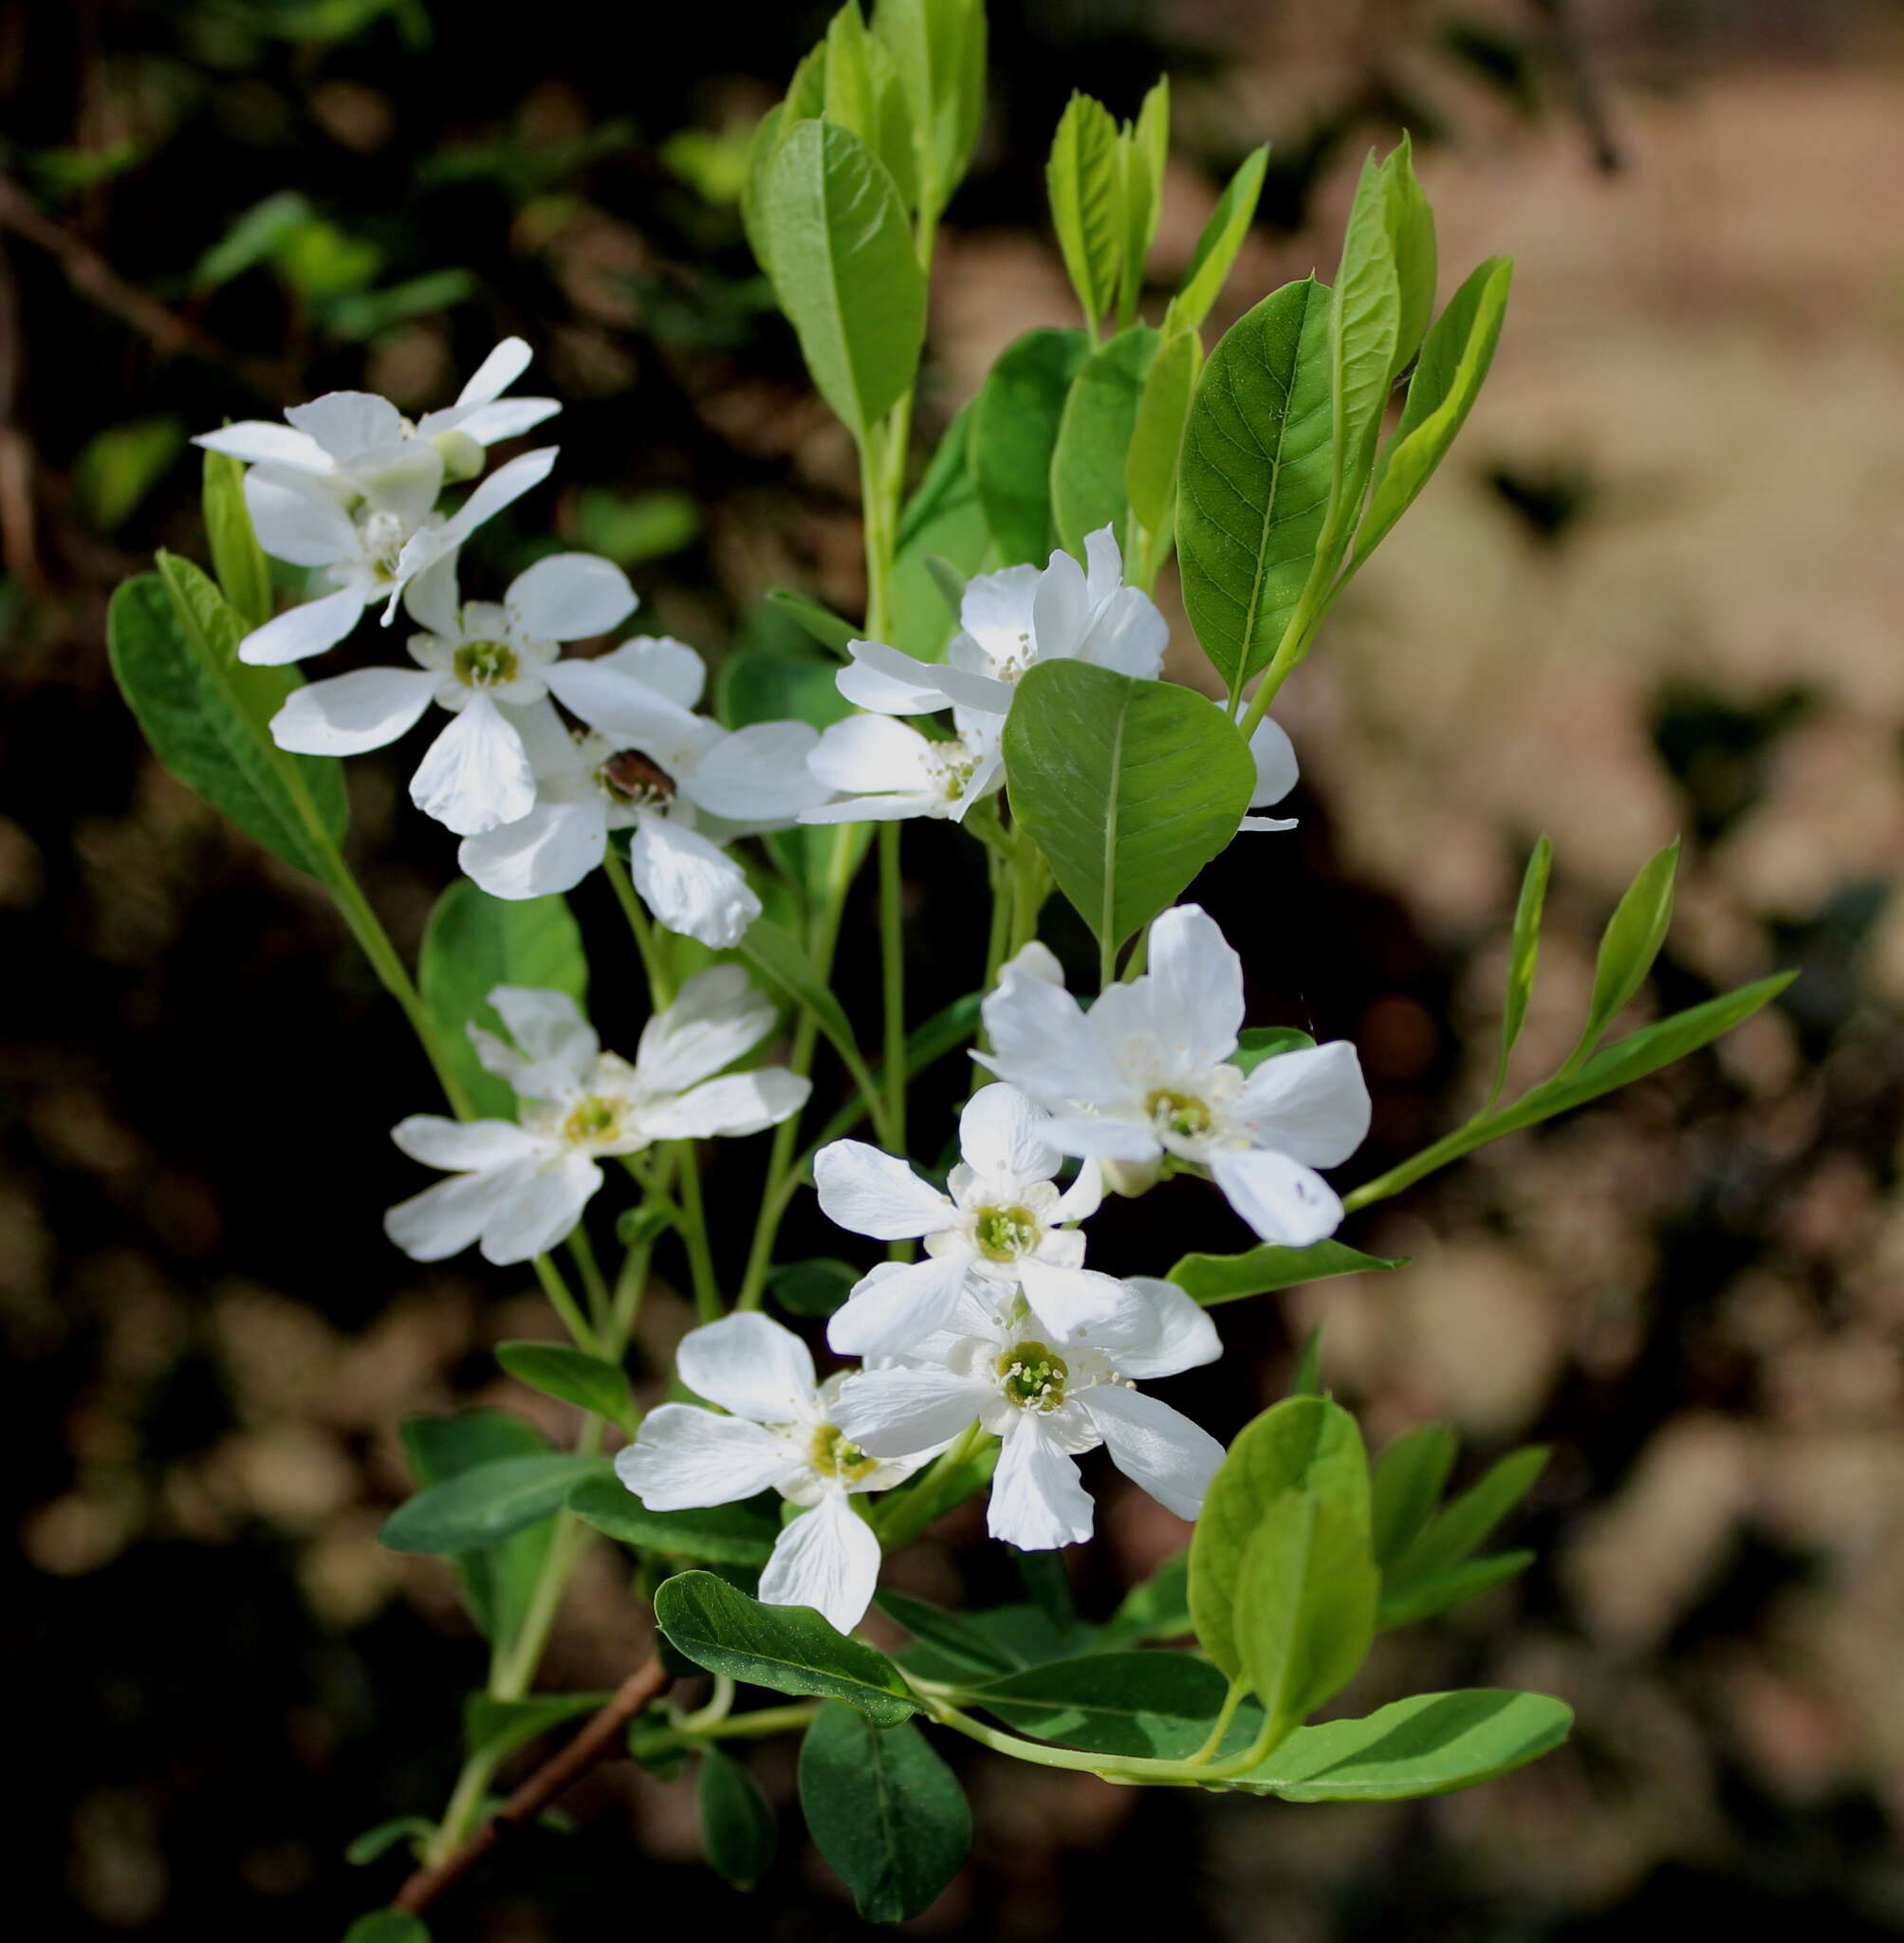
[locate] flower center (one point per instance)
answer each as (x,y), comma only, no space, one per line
(629,777)
(485,664)
(591,1119)
(832,1454)
(1181,1113)
(383,536)
(1001,1234)
(1032,1377)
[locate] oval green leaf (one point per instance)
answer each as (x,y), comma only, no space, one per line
(1094,438)
(1162,1704)
(480,1507)
(573,1375)
(1084,179)
(720,1534)
(1212,1278)
(1306,1603)
(1014,433)
(737,1830)
(1216,247)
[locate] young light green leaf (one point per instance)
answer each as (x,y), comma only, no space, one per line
(1365,331)
(1411,228)
(379,1840)
(573,1375)
(1627,949)
(1431,1745)
(386,1926)
(1468,1519)
(851,99)
(1084,179)
(737,1827)
(938,52)
(474,943)
(1410,1476)
(1212,1278)
(1157,1609)
(1157,438)
(844,267)
(789,1648)
(788,969)
(1128,786)
(761,151)
(498,1727)
(478,1508)
(1142,152)
(947,1634)
(1254,484)
(885,1811)
(1159,1705)
(1448,377)
(1526,954)
(1305,1603)
(1094,438)
(1304,1444)
(1215,254)
(1014,433)
(173,640)
(1422,1599)
(942,520)
(717,1534)
(830,630)
(243,573)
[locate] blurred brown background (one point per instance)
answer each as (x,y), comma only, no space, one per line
(1657,588)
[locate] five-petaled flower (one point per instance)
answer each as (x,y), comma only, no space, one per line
(520,1186)
(780,1434)
(1146,1073)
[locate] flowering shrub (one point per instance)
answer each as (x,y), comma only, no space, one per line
(1009,679)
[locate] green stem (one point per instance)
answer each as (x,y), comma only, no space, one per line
(755,1726)
(562,1303)
(1030,884)
(654,954)
(905,1517)
(708,1304)
(593,1285)
(1231,1700)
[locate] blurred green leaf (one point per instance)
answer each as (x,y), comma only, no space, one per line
(488,1503)
(117,468)
(737,1829)
(254,238)
(1014,433)
(362,315)
(1094,438)
(629,528)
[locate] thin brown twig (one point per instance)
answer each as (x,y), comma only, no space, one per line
(597,1741)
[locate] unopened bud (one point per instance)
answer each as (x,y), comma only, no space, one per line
(463,458)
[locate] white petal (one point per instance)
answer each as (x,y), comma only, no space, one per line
(897,1413)
(1195,986)
(689,885)
(1044,1045)
(348,422)
(301,632)
(1083,1197)
(622,706)
(1268,823)
(1178,1333)
(404,479)
(751,1366)
(496,373)
(758,774)
(1312,1104)
(1283,1201)
(550,849)
(559,1044)
(683,1457)
(502,488)
(866,753)
(431,600)
(718,1015)
(349,713)
(996,610)
(1037,1502)
(541,1212)
(1103,566)
(674,670)
(468,1146)
(827,1558)
(895,1313)
(1001,1135)
(1275,757)
(445,1219)
(1105,1137)
(297,520)
(1155,1446)
(890,683)
(735,1105)
(570,597)
(876,1194)
(1074,1304)
(874,809)
(476,773)
(1128,636)
(258,442)
(492,423)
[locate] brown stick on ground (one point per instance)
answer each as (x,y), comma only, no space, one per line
(597,1741)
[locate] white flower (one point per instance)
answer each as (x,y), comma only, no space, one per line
(1144,1073)
(370,547)
(348,436)
(479,660)
(1008,622)
(779,1435)
(520,1188)
(890,770)
(1002,1223)
(1047,1407)
(650,765)
(1276,775)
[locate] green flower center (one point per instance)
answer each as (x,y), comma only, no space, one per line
(834,1454)
(485,664)
(1001,1234)
(591,1119)
(1181,1113)
(1032,1377)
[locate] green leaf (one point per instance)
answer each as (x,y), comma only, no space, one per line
(1157,1609)
(953,1638)
(561,1370)
(851,99)
(937,48)
(779,959)
(477,1508)
(1627,949)
(1212,1278)
(1146,1703)
(1128,786)
(812,1289)
(789,1648)
(885,1811)
(1448,379)
(1411,229)
(474,943)
(1422,1599)
(1083,178)
(1215,254)
(1014,433)
(1255,1044)
(1306,1378)
(843,268)
(942,520)
(379,1840)
(1306,1603)
(631,528)
(386,1926)
(1304,1444)
(117,468)
(1094,438)
(256,234)
(173,643)
(243,574)
(1365,331)
(827,627)
(1142,153)
(1431,1745)
(1156,439)
(498,1727)
(1255,480)
(1468,1519)
(1410,1476)
(737,1827)
(739,1534)
(1526,954)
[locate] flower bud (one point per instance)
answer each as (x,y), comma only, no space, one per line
(1132,1177)
(463,458)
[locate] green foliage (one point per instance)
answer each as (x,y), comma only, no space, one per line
(1084,177)
(498,1727)
(938,49)
(1431,1567)
(238,561)
(475,1508)
(1222,235)
(737,1831)
(1094,438)
(1524,957)
(812,1289)
(1014,435)
(958,1640)
(117,468)
(1306,1591)
(739,1534)
(1156,1609)
(788,971)
(1152,1705)
(386,1926)
(631,528)
(1627,949)
(943,520)
(572,1375)
(1156,445)
(1410,1476)
(1212,1278)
